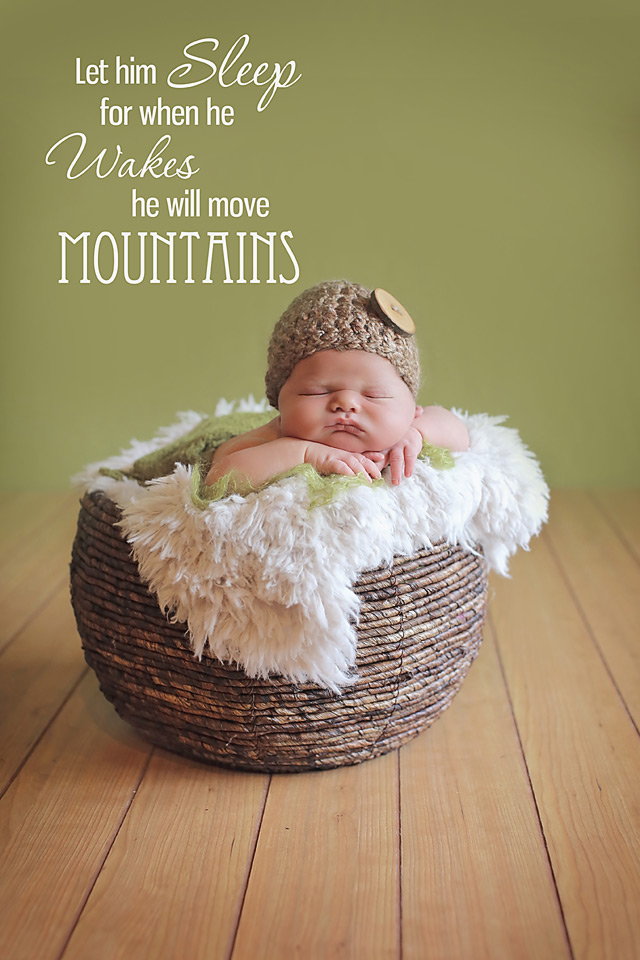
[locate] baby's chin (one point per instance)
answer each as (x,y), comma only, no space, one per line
(353,443)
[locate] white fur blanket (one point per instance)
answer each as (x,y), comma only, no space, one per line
(266,583)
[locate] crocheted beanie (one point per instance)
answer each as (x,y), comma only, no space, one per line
(337,315)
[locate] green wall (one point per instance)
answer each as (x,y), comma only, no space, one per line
(482,166)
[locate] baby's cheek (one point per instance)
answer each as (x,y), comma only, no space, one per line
(391,432)
(387,435)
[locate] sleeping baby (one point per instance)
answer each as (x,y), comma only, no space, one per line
(343,373)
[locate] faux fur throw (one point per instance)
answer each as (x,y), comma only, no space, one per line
(265,581)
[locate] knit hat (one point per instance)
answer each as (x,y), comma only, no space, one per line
(338,315)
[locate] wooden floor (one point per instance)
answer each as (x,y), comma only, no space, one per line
(509,829)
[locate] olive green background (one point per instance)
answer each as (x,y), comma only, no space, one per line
(482,165)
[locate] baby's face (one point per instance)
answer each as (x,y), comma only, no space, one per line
(348,399)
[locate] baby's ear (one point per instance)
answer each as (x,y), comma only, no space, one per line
(419,411)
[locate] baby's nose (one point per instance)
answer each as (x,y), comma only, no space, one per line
(345,401)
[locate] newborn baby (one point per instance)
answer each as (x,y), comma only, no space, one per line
(343,373)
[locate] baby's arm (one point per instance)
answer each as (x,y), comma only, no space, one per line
(262,454)
(434,425)
(443,428)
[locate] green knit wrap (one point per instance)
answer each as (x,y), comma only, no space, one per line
(198,446)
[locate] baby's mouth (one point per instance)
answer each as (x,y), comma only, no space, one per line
(347,426)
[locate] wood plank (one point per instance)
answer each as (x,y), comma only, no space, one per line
(32,530)
(324,883)
(58,820)
(622,509)
(174,881)
(37,571)
(476,879)
(606,582)
(23,518)
(582,752)
(37,673)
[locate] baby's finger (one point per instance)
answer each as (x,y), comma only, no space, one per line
(372,468)
(357,466)
(362,465)
(396,462)
(341,467)
(409,463)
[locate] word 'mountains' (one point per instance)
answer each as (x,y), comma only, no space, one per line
(216,256)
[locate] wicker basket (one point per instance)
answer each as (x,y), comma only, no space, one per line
(419,629)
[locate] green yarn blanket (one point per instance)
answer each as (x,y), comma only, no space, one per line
(197,447)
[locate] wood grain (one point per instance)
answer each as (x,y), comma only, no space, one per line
(622,509)
(517,810)
(324,882)
(605,580)
(24,521)
(175,878)
(582,753)
(37,569)
(476,881)
(58,820)
(37,672)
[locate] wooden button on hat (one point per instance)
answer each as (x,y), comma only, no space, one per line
(392,312)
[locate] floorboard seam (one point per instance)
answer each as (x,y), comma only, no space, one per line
(531,787)
(92,883)
(614,526)
(585,620)
(34,613)
(44,730)
(251,859)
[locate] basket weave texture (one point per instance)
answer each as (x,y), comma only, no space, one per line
(419,629)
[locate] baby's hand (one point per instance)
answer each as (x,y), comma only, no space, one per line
(378,456)
(328,460)
(401,457)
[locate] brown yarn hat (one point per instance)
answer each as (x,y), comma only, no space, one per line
(337,315)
